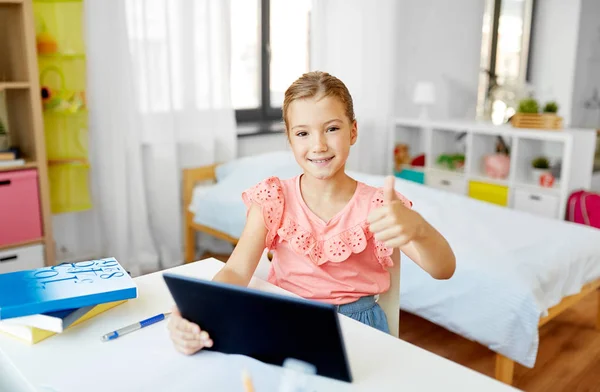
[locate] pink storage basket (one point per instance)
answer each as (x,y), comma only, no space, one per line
(19,207)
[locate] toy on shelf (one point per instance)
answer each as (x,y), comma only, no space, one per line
(60,99)
(454,162)
(45,42)
(418,161)
(496,166)
(401,156)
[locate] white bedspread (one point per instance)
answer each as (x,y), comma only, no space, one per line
(511,266)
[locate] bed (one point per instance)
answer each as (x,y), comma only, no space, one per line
(515,271)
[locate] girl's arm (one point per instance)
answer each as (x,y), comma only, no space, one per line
(401,227)
(245,257)
(431,251)
(390,300)
(187,337)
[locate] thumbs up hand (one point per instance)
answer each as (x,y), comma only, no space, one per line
(394,223)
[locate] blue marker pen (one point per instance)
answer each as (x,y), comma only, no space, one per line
(134,327)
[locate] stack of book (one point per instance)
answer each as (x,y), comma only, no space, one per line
(36,304)
(11,157)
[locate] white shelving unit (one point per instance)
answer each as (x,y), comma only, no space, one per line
(574,148)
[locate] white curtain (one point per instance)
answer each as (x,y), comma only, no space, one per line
(159,101)
(354,40)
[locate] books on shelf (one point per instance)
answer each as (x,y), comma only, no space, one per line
(12,162)
(64,286)
(11,157)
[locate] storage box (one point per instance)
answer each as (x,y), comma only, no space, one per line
(20,218)
(451,182)
(538,203)
(415,175)
(22,258)
(492,193)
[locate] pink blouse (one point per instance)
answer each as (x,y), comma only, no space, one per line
(337,261)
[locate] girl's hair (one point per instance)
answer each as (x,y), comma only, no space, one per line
(317,84)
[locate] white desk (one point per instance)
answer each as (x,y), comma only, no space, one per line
(77,360)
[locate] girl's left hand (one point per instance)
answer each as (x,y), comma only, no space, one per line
(394,223)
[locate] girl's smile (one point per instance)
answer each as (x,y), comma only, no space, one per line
(321,162)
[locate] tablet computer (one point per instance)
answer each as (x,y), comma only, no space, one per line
(266,326)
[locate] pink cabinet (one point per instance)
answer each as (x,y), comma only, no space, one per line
(20,218)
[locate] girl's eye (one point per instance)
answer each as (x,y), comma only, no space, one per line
(332,129)
(301,134)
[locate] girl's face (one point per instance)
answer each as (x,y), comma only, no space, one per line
(320,135)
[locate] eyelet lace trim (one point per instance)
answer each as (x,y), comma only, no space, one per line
(269,195)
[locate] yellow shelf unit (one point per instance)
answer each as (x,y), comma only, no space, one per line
(62,66)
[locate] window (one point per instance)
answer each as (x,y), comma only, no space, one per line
(269,50)
(505,56)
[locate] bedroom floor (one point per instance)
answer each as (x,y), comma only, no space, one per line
(568,356)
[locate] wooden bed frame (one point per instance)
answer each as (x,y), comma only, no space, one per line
(206,174)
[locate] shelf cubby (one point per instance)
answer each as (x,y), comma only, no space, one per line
(13,58)
(528,150)
(413,137)
(447,142)
(481,146)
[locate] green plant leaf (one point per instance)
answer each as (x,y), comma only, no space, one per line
(540,163)
(551,107)
(528,105)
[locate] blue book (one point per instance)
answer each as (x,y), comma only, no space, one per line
(51,321)
(64,286)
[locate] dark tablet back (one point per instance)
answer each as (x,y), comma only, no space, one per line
(266,326)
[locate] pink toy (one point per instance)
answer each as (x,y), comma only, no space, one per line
(497,165)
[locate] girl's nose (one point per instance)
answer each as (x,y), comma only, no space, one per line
(320,143)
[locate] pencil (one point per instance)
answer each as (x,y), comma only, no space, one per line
(247,381)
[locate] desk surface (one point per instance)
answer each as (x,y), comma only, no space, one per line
(145,360)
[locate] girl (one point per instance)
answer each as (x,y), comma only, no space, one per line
(333,239)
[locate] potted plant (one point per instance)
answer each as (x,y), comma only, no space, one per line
(3,137)
(530,115)
(540,166)
(551,107)
(528,105)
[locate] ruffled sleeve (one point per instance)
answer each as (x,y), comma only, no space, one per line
(268,195)
(382,252)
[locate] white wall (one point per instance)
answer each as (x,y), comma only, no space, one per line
(587,67)
(77,236)
(554,48)
(439,40)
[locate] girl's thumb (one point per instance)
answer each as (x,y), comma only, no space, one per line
(389,193)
